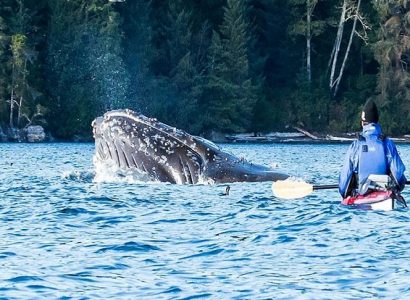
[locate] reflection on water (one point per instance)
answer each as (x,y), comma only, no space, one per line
(64,234)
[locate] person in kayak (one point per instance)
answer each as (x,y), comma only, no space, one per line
(371,153)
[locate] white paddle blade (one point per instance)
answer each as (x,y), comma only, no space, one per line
(287,189)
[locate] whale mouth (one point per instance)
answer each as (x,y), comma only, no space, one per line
(136,143)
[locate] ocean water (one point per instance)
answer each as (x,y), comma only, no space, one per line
(66,235)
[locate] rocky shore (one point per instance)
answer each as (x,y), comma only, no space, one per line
(30,134)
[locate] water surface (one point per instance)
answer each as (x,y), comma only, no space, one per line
(63,235)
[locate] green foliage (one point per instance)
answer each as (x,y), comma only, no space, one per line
(138,51)
(87,72)
(299,26)
(265,116)
(203,66)
(18,46)
(20,38)
(392,51)
(228,97)
(173,93)
(4,57)
(310,106)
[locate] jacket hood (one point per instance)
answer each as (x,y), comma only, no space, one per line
(372,129)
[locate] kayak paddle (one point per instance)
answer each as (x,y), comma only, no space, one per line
(287,189)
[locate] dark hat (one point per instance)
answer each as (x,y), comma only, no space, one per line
(370,114)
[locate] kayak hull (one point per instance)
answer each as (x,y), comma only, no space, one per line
(380,200)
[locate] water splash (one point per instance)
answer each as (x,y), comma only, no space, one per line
(109,172)
(79,176)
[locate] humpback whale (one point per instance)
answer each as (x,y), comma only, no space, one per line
(134,142)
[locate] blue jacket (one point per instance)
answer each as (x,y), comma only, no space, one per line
(395,166)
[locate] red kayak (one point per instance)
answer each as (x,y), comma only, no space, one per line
(378,200)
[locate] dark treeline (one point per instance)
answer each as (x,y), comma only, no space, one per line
(204,66)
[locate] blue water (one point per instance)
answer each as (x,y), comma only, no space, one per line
(62,235)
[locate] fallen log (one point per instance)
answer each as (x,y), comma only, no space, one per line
(308,134)
(338,138)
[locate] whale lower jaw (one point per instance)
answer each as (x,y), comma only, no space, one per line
(134,142)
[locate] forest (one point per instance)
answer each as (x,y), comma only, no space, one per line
(205,66)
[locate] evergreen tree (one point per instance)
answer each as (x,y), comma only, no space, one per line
(183,74)
(138,51)
(227,98)
(5,11)
(86,71)
(18,76)
(175,65)
(306,24)
(104,45)
(392,51)
(19,39)
(274,62)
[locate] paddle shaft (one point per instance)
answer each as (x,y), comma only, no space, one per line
(334,186)
(325,187)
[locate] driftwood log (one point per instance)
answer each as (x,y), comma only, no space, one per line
(308,134)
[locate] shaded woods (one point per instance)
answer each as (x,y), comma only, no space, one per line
(204,66)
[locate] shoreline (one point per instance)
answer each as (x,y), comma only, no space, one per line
(306,141)
(36,134)
(304,137)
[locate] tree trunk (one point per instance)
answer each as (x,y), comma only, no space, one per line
(339,78)
(336,46)
(19,111)
(21,95)
(11,107)
(308,40)
(13,75)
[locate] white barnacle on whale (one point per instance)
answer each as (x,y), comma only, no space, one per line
(127,128)
(142,147)
(162,160)
(147,141)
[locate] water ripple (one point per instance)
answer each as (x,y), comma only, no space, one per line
(65,236)
(24,279)
(130,247)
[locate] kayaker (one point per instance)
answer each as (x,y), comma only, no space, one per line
(371,153)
